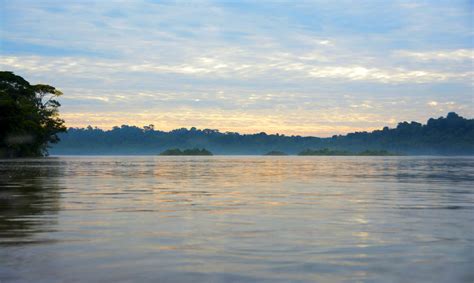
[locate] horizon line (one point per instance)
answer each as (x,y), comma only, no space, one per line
(261,132)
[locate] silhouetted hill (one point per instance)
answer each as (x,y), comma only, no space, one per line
(450,135)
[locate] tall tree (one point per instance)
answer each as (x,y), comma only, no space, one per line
(29,117)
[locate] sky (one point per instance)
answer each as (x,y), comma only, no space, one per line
(291,67)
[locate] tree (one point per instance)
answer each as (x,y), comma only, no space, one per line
(451,135)
(29,117)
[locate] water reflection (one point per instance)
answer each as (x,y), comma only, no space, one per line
(221,219)
(29,199)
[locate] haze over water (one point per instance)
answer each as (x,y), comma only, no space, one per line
(237,219)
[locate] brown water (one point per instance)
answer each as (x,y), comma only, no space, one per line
(237,219)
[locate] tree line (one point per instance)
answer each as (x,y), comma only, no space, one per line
(30,125)
(448,135)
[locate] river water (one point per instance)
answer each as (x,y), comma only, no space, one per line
(237,219)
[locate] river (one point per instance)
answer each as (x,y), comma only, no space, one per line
(237,219)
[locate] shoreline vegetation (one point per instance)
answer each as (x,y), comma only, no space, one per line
(449,135)
(275,153)
(31,127)
(186,152)
(306,152)
(29,117)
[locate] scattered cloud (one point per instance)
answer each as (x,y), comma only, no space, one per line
(452,55)
(280,66)
(264,69)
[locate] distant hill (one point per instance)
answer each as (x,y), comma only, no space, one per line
(450,135)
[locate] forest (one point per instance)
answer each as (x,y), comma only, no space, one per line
(29,117)
(450,135)
(31,126)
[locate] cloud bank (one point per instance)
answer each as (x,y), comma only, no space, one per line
(306,67)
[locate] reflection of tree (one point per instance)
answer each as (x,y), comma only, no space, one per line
(29,197)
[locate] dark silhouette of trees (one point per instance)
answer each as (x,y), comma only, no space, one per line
(275,153)
(193,151)
(445,135)
(448,135)
(29,118)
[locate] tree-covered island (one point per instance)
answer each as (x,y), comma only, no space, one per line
(187,152)
(275,153)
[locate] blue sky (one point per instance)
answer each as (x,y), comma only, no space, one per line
(294,67)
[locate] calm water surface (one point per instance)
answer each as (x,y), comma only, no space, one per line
(237,219)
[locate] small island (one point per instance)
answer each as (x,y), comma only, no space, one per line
(187,152)
(334,152)
(275,153)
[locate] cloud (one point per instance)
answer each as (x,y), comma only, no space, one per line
(277,62)
(389,75)
(447,106)
(452,55)
(273,68)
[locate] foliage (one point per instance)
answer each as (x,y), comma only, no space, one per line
(29,117)
(276,153)
(445,135)
(376,153)
(193,151)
